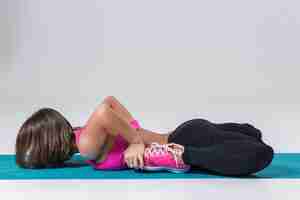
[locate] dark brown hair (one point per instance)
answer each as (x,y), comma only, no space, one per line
(45,139)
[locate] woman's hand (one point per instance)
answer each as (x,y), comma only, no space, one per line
(134,155)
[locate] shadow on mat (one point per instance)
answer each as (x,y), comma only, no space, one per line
(69,164)
(209,172)
(205,172)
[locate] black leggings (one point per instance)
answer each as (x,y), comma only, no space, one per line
(233,149)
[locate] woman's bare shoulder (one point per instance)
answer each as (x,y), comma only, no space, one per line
(92,147)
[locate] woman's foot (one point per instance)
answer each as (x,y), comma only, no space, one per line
(165,157)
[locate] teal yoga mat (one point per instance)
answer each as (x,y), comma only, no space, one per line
(284,165)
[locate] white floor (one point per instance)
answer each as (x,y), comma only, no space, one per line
(152,189)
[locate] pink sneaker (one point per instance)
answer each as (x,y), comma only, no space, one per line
(164,157)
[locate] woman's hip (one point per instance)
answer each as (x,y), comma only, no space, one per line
(197,132)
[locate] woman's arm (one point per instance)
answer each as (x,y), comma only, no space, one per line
(103,121)
(122,111)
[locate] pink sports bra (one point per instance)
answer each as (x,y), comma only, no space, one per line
(114,158)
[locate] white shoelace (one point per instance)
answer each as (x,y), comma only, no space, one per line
(162,148)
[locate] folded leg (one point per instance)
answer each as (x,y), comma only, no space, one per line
(231,157)
(228,152)
(200,133)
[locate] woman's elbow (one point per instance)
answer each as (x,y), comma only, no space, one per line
(110,101)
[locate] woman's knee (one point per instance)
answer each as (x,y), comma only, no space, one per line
(264,157)
(256,157)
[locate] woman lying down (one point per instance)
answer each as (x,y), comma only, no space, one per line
(113,139)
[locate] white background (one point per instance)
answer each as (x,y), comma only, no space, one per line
(166,61)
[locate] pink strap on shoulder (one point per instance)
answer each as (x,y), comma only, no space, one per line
(135,124)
